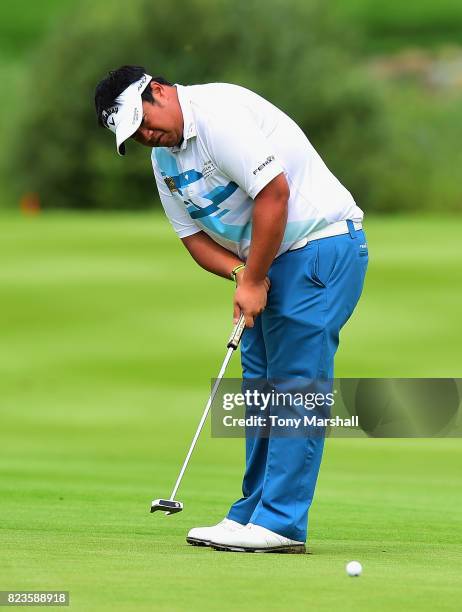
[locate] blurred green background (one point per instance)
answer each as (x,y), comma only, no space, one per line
(110,333)
(377,86)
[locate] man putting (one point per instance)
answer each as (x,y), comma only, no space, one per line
(253,201)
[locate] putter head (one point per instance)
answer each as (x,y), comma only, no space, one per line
(169,506)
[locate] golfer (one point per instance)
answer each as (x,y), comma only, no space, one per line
(252,201)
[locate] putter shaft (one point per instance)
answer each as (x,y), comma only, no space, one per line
(232,345)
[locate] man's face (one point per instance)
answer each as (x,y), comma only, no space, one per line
(162,123)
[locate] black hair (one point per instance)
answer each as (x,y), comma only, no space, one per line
(109,88)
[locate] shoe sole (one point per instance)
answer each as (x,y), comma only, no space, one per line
(299,549)
(196,542)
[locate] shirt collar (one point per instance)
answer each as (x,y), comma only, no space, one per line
(189,124)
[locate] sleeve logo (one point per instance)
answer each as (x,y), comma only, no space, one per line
(267,161)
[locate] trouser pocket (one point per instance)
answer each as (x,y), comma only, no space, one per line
(322,263)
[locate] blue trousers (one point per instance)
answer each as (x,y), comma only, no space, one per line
(314,291)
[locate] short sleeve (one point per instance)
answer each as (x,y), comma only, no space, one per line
(241,150)
(177,215)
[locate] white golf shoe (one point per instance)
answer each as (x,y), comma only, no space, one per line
(254,538)
(202,536)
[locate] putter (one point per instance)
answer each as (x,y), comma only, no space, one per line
(172,506)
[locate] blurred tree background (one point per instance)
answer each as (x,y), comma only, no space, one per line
(377,87)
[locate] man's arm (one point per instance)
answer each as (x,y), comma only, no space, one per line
(269,221)
(268,224)
(210,255)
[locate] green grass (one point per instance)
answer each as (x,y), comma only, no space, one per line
(110,335)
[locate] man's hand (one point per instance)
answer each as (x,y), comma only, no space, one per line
(240,278)
(249,298)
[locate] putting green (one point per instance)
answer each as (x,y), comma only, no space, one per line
(110,336)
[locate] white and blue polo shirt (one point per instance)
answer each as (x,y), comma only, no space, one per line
(234,143)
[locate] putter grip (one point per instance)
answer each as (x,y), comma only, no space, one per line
(236,335)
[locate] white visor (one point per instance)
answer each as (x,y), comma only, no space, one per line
(125,115)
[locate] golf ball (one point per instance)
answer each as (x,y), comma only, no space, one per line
(354,568)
